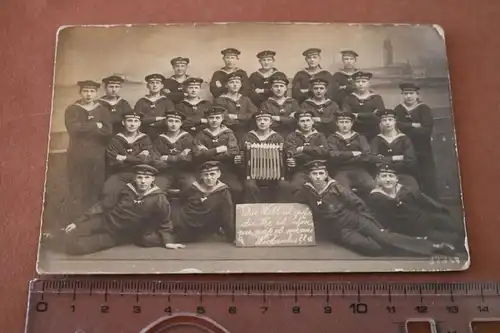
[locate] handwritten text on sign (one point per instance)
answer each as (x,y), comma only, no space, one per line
(287,224)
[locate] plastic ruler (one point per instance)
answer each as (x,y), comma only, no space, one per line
(115,306)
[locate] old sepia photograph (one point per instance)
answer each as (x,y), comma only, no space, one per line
(252,147)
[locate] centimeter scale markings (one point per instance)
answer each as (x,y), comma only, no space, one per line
(156,306)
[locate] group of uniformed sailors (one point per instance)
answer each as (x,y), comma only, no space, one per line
(123,162)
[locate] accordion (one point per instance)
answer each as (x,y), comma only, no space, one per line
(265,161)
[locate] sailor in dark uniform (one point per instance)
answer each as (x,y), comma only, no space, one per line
(301,88)
(414,119)
(175,155)
(350,156)
(240,109)
(393,148)
(412,213)
(154,106)
(344,77)
(363,102)
(172,86)
(193,106)
(218,143)
(262,134)
(322,107)
(346,220)
(205,208)
(303,145)
(141,216)
(230,57)
(126,149)
(259,80)
(116,105)
(281,107)
(89,128)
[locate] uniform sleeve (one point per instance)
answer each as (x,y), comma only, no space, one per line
(214,89)
(318,148)
(409,157)
(192,119)
(376,155)
(160,148)
(348,104)
(334,151)
(201,153)
(75,125)
(429,203)
(226,210)
(162,217)
(296,86)
(246,88)
(233,148)
(291,145)
(250,110)
(116,148)
(403,123)
(378,206)
(330,117)
(288,119)
(427,122)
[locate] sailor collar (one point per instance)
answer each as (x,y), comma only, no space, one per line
(131,140)
(223,129)
(223,69)
(174,139)
(311,101)
(175,79)
(262,138)
(377,190)
(314,131)
(219,186)
(198,101)
(88,108)
(306,69)
(153,190)
(267,74)
(340,135)
(226,96)
(328,185)
(154,100)
(362,98)
(410,108)
(111,103)
(348,74)
(390,139)
(286,100)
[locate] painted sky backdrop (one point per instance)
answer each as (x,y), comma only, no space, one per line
(95,52)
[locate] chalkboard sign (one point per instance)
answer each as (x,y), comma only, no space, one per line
(274,224)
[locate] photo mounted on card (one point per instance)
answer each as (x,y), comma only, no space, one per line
(252,147)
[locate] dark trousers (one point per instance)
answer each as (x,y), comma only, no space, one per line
(174,179)
(368,239)
(356,178)
(443,228)
(85,180)
(93,234)
(277,191)
(90,235)
(426,175)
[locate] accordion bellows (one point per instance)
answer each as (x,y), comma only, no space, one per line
(265,161)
